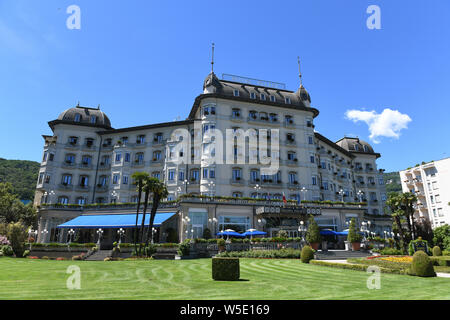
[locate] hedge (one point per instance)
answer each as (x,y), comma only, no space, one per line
(274,254)
(307,254)
(421,265)
(226,269)
(358,267)
(400,266)
(443,261)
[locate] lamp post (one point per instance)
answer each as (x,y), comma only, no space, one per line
(185,182)
(385,235)
(31,232)
(257,188)
(211,185)
(100,233)
(47,195)
(304,191)
(213,222)
(153,232)
(341,193)
(44,233)
(70,233)
(113,196)
(121,232)
(186,221)
(360,194)
(302,230)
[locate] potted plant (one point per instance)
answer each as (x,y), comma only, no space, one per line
(353,236)
(313,234)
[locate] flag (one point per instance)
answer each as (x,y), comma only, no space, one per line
(284,198)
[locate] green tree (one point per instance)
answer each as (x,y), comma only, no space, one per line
(138,179)
(13,210)
(17,234)
(159,192)
(441,237)
(353,235)
(313,232)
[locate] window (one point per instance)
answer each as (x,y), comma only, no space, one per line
(236,113)
(289,120)
(434,184)
(292,178)
(63,200)
(311,159)
(115,179)
(66,179)
(47,178)
(181,175)
(158,138)
(125,179)
(252,95)
(51,156)
(44,158)
(124,140)
(254,175)
(236,174)
(273,117)
(263,96)
(437,198)
(86,160)
(237,223)
(93,119)
(140,139)
(84,181)
(156,175)
(77,117)
(194,175)
(81,200)
(171,175)
(127,157)
(432,199)
(314,181)
(89,142)
(212,173)
(237,194)
(102,181)
(70,159)
(139,158)
(291,156)
(205,173)
(273,99)
(156,155)
(41,177)
(287,100)
(73,140)
(118,157)
(310,140)
(252,114)
(440,213)
(325,185)
(236,93)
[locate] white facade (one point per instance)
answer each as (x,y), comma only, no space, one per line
(430,182)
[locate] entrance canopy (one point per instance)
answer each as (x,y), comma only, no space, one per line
(106,221)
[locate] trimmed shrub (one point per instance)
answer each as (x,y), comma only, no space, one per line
(421,265)
(26,253)
(446,253)
(353,235)
(307,254)
(7,251)
(185,248)
(267,254)
(442,261)
(418,245)
(313,232)
(150,250)
(437,251)
(221,242)
(225,269)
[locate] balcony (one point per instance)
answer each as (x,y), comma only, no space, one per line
(65,186)
(101,188)
(82,188)
(72,146)
(236,117)
(88,147)
(371,184)
(107,147)
(104,166)
(159,142)
(291,162)
(85,166)
(138,163)
(68,164)
(237,181)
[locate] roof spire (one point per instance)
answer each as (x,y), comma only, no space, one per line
(212,58)
(299,72)
(78,104)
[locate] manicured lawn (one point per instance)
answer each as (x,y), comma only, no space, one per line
(191,279)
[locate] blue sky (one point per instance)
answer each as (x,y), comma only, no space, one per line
(145,62)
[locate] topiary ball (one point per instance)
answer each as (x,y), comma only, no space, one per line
(421,265)
(437,251)
(307,254)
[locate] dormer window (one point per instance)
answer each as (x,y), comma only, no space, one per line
(366,148)
(236,93)
(287,100)
(263,96)
(356,147)
(273,99)
(77,117)
(94,119)
(252,95)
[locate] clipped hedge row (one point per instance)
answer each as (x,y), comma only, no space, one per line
(225,269)
(358,267)
(443,261)
(274,254)
(62,245)
(401,266)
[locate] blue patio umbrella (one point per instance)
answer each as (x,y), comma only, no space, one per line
(328,232)
(229,233)
(254,232)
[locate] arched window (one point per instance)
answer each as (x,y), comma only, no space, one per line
(81,200)
(77,117)
(237,194)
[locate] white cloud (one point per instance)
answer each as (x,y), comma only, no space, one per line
(388,123)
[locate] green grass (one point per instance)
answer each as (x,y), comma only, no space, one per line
(191,279)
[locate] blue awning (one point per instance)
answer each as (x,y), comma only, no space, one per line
(106,221)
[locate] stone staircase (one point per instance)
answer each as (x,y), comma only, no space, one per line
(99,255)
(340,254)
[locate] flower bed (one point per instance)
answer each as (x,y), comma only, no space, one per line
(273,254)
(400,263)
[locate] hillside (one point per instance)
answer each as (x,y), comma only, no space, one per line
(392,181)
(22,174)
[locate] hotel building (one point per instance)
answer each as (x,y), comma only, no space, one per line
(86,161)
(430,182)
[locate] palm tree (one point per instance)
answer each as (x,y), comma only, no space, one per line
(138,178)
(148,186)
(160,192)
